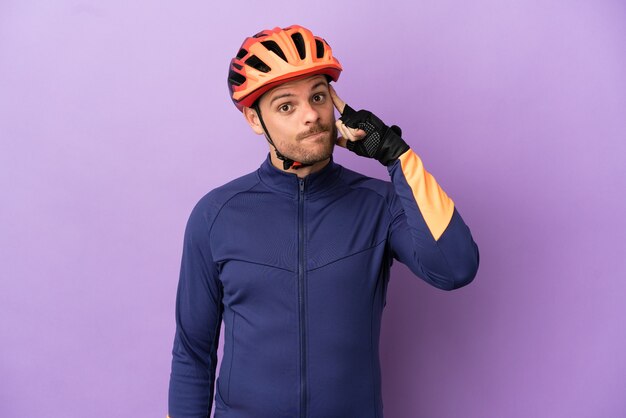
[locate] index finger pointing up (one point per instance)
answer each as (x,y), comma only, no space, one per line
(339,104)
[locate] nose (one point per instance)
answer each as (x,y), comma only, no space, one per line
(310,114)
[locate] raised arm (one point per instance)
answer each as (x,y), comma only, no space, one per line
(427,233)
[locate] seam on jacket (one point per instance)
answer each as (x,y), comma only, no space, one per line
(365,179)
(384,197)
(214,343)
(215,340)
(218,325)
(443,254)
(219,211)
(350,255)
(262,264)
(372,362)
(232,353)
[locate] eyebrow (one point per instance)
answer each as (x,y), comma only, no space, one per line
(281,96)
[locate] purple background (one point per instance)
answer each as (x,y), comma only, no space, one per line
(115,120)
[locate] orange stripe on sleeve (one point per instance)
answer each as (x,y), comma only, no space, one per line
(434,204)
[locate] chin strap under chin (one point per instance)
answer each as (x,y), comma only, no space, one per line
(287,162)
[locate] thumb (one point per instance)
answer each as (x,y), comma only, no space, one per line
(342,142)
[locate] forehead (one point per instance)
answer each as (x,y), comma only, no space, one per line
(307,83)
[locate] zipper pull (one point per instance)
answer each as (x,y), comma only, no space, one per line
(301,185)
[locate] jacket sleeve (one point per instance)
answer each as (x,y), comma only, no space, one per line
(427,232)
(198,320)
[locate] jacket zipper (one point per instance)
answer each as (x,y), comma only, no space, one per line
(303,388)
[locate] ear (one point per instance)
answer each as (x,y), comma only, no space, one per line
(253,120)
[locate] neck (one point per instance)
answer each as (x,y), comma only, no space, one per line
(302,171)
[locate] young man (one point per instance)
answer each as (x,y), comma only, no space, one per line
(295,257)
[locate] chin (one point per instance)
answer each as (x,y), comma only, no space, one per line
(322,155)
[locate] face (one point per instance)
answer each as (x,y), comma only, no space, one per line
(299,117)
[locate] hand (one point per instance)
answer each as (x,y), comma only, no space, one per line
(366,135)
(346,133)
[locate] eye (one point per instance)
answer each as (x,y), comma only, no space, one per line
(284,108)
(319,98)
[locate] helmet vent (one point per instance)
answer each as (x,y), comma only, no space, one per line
(236,78)
(255,62)
(237,66)
(298,40)
(319,46)
(273,46)
(260,35)
(242,53)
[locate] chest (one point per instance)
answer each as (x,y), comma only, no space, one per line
(285,232)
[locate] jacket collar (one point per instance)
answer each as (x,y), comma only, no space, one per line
(288,183)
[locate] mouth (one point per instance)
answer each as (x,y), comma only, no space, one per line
(314,136)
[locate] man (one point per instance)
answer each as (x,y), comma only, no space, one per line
(295,257)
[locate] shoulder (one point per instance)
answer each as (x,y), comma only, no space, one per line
(355,180)
(209,205)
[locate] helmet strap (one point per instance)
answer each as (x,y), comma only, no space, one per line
(287,162)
